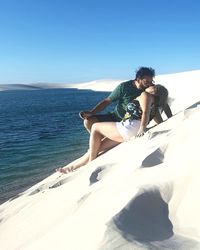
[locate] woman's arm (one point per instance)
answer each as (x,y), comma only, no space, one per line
(145,101)
(158,118)
(167,111)
(99,107)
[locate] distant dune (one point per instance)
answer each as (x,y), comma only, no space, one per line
(97,85)
(100,85)
(4,87)
(34,86)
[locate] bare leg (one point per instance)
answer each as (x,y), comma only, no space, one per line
(106,144)
(75,164)
(98,132)
(88,122)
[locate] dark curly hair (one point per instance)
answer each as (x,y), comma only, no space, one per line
(144,71)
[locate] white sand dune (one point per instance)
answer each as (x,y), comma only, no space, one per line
(97,85)
(100,85)
(143,194)
(34,86)
(4,87)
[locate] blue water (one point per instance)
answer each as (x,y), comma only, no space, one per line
(40,130)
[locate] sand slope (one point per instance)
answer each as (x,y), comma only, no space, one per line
(143,194)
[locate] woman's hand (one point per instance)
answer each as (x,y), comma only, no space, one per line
(141,132)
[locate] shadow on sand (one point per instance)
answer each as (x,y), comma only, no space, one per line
(145,218)
(155,158)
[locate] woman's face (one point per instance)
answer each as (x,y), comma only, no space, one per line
(151,90)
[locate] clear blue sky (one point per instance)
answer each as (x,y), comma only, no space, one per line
(74,41)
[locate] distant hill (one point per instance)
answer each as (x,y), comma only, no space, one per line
(17,87)
(34,86)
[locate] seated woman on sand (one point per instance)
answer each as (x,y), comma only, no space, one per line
(106,135)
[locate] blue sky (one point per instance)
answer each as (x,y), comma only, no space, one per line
(75,41)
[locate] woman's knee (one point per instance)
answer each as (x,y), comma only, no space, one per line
(96,127)
(88,123)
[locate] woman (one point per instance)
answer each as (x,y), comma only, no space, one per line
(106,135)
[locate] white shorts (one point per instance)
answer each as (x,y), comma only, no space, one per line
(128,128)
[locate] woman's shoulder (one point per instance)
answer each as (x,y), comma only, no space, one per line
(146,95)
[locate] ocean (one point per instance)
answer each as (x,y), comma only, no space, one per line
(40,130)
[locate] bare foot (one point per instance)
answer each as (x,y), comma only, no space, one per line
(65,170)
